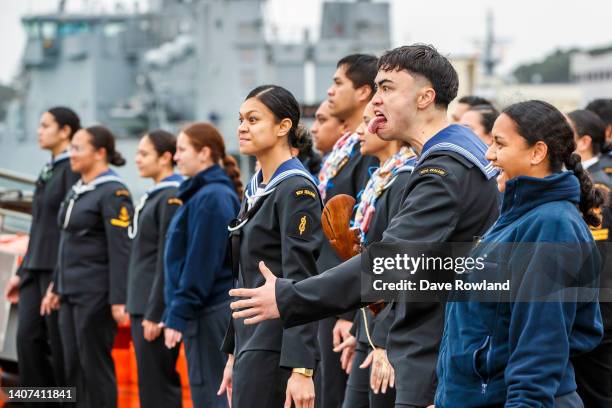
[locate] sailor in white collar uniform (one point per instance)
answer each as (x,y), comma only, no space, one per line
(159,383)
(280,224)
(39,348)
(92,267)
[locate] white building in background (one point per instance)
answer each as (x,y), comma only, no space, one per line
(593,74)
(566,97)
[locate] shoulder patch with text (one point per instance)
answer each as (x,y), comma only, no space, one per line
(123,220)
(122,193)
(305,192)
(432,170)
(175,201)
(300,226)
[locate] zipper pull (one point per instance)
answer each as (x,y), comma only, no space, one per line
(483,388)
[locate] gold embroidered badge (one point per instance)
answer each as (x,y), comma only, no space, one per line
(600,234)
(302,226)
(175,200)
(123,220)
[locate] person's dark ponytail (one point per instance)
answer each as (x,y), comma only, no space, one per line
(590,198)
(299,137)
(102,138)
(230,165)
(540,121)
(117,160)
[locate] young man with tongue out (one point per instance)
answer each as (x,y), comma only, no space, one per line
(451,196)
(344,171)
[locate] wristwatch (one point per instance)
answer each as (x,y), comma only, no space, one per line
(307,372)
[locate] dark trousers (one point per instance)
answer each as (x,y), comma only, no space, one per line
(594,369)
(39,347)
(333,377)
(358,392)
(159,384)
(205,360)
(258,380)
(88,332)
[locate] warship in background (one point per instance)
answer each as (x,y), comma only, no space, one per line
(177,62)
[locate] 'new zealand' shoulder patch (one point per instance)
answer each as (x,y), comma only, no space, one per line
(176,201)
(300,226)
(432,170)
(305,192)
(122,193)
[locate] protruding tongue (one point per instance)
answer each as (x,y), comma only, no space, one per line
(375,123)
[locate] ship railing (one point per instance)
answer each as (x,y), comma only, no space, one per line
(17,177)
(13,221)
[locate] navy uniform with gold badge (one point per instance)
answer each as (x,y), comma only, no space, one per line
(451,196)
(594,368)
(345,171)
(279,224)
(159,383)
(38,339)
(92,276)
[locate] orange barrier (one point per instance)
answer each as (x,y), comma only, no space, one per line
(127,374)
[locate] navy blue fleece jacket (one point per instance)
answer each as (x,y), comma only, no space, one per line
(197,265)
(516,353)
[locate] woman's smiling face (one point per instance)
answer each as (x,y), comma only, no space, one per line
(509,151)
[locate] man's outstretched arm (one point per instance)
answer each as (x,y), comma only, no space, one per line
(428,214)
(335,291)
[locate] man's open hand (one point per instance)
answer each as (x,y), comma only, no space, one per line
(257,304)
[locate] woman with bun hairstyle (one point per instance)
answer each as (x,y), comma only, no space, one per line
(279,226)
(591,145)
(197,265)
(39,349)
(480,119)
(90,284)
(516,352)
(159,383)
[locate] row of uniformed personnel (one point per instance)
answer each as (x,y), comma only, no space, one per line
(472,353)
(278,223)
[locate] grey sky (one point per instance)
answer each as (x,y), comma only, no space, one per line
(531,28)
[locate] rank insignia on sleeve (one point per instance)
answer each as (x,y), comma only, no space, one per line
(305,192)
(176,201)
(122,193)
(301,226)
(123,220)
(600,234)
(432,170)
